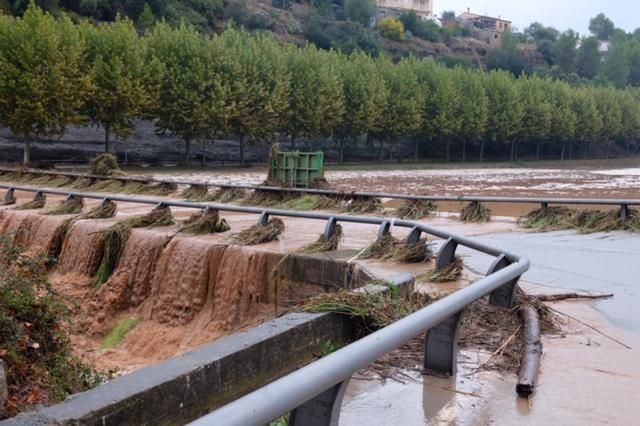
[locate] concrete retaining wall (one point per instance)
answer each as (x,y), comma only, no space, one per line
(183,388)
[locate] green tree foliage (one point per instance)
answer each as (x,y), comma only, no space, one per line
(391,28)
(42,86)
(563,119)
(316,101)
(564,51)
(426,30)
(472,107)
(616,68)
(235,84)
(115,60)
(191,97)
(588,119)
(255,76)
(402,116)
(365,98)
(536,118)
(505,120)
(508,57)
(146,18)
(360,11)
(602,27)
(588,58)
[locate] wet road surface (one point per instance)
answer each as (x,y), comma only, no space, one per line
(586,377)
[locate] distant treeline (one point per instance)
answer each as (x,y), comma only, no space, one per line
(55,74)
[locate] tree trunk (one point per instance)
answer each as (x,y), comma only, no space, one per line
(415,149)
(381,151)
(564,148)
(538,150)
(293,142)
(464,151)
(241,149)
(448,154)
(482,151)
(107,138)
(187,151)
(512,156)
(571,151)
(26,159)
(341,150)
(203,160)
(626,148)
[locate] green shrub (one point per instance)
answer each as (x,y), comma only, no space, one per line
(33,340)
(391,28)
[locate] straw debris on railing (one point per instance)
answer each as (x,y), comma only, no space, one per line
(115,237)
(372,311)
(105,210)
(361,205)
(323,244)
(228,195)
(207,221)
(585,221)
(82,183)
(387,247)
(38,202)
(475,212)
(416,209)
(265,198)
(548,218)
(196,192)
(451,273)
(258,234)
(72,205)
(105,165)
(109,185)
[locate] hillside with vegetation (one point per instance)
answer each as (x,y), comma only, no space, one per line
(55,74)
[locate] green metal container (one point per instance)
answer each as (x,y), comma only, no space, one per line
(298,169)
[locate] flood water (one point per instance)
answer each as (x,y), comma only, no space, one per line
(565,260)
(586,377)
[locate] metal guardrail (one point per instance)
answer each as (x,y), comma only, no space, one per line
(543,201)
(313,394)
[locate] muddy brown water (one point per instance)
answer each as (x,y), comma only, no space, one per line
(185,290)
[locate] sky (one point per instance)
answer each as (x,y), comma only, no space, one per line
(561,14)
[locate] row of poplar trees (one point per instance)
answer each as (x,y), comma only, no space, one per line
(55,73)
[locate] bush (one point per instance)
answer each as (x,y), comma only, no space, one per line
(426,30)
(33,339)
(391,28)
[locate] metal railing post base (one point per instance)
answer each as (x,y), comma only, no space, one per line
(447,254)
(502,296)
(323,410)
(441,346)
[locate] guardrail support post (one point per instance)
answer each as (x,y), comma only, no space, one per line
(323,410)
(441,346)
(9,197)
(544,206)
(502,296)
(624,212)
(263,219)
(385,228)
(330,228)
(414,235)
(447,254)
(39,195)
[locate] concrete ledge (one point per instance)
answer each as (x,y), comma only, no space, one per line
(184,388)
